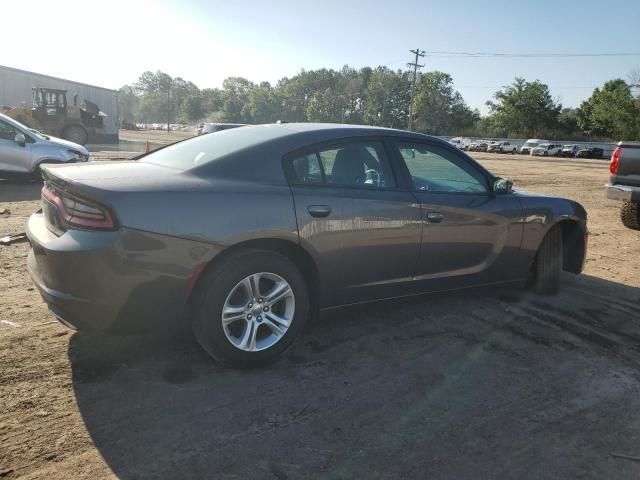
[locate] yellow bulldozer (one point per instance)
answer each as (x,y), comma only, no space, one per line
(52,115)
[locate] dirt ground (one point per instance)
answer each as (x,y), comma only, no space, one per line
(156,136)
(489,384)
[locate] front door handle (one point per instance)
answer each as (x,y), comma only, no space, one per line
(319,210)
(434,217)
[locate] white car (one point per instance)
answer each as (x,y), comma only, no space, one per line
(547,150)
(502,147)
(531,143)
(460,142)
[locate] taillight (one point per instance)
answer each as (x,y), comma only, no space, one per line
(614,165)
(78,212)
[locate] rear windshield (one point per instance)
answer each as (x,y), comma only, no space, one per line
(201,150)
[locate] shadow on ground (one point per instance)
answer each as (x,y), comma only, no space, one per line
(468,385)
(19,191)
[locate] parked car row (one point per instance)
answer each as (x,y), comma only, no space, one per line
(205,128)
(161,126)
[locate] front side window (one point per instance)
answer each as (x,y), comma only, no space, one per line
(7,132)
(356,164)
(436,169)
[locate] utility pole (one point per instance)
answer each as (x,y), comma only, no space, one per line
(418,53)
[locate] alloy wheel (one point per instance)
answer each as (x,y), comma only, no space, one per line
(258,311)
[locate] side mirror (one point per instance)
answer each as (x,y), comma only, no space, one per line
(20,139)
(502,186)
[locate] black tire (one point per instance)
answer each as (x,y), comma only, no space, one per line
(36,175)
(630,215)
(548,263)
(75,134)
(213,289)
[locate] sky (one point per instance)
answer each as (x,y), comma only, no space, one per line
(207,41)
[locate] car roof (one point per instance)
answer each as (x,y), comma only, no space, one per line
(252,147)
(318,132)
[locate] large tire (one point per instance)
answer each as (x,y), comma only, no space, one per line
(225,284)
(75,134)
(36,175)
(630,215)
(548,263)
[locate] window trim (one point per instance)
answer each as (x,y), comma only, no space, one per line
(287,164)
(470,162)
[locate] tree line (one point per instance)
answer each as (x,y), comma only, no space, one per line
(381,96)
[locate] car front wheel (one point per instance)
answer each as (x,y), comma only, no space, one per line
(250,308)
(548,263)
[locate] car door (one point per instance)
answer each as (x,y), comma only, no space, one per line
(357,219)
(14,157)
(470,235)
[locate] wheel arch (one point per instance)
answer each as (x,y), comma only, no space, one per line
(574,243)
(287,248)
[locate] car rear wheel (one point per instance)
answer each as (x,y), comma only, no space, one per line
(630,215)
(250,308)
(548,263)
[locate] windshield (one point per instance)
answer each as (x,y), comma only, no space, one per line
(544,145)
(531,144)
(198,151)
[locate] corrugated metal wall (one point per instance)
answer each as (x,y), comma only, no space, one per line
(15,90)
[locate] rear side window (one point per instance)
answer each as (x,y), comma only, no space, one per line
(199,151)
(353,164)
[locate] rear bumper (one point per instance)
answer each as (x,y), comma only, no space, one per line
(120,281)
(623,193)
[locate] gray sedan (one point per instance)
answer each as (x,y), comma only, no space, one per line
(244,234)
(23,150)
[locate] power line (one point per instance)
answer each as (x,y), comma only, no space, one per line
(448,54)
(418,53)
(550,86)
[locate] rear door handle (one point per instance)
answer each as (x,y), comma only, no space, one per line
(319,210)
(434,217)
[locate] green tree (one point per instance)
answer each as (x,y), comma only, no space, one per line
(191,108)
(524,108)
(568,121)
(128,104)
(386,98)
(611,112)
(326,106)
(438,108)
(264,104)
(235,94)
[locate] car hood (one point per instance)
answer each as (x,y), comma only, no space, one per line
(66,143)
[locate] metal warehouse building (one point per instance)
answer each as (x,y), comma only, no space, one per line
(16,85)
